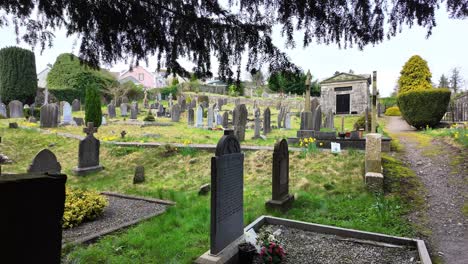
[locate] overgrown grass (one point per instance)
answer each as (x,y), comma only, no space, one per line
(456,133)
(329,190)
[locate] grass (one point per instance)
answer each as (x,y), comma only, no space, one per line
(457,134)
(329,190)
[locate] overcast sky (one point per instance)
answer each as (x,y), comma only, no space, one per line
(445,49)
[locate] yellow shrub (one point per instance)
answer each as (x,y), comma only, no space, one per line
(393,111)
(81,206)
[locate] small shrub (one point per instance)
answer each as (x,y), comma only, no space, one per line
(393,111)
(361,122)
(423,108)
(36,112)
(149,117)
(82,206)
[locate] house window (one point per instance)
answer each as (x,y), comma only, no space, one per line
(141,77)
(342,89)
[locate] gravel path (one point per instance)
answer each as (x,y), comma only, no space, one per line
(443,169)
(315,248)
(120,213)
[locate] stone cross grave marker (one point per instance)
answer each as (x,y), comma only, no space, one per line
(227,192)
(49,115)
(16,109)
(123,109)
(225,119)
(76,105)
(281,199)
(67,113)
(111,110)
(199,120)
(266,121)
(240,121)
(88,152)
(191,117)
(45,162)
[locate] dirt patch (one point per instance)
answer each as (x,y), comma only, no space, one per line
(443,170)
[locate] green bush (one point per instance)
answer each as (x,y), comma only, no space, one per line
(149,117)
(203,98)
(393,111)
(361,122)
(423,108)
(69,94)
(93,112)
(415,75)
(36,112)
(168,90)
(82,206)
(18,78)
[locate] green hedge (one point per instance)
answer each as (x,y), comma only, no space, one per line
(36,112)
(170,89)
(423,108)
(393,111)
(69,94)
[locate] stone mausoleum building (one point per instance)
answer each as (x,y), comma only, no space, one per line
(345,93)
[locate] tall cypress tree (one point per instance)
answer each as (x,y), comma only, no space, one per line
(93,112)
(18,78)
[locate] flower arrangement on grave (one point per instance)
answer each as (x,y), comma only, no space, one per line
(309,145)
(271,252)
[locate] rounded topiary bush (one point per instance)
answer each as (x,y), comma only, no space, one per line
(421,108)
(393,111)
(82,206)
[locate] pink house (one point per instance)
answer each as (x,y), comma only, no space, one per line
(140,75)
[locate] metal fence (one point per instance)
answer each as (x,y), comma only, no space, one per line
(458,110)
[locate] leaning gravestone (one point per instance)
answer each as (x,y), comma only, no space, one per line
(16,109)
(225,119)
(3,112)
(240,121)
(199,120)
(45,162)
(123,109)
(49,115)
(88,152)
(266,121)
(76,105)
(111,110)
(281,199)
(227,192)
(191,117)
(175,113)
(67,113)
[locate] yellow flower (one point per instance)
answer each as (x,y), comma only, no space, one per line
(321,143)
(300,143)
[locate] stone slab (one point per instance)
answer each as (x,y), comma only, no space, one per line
(87,170)
(374,181)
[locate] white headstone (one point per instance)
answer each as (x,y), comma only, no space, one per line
(199,119)
(67,113)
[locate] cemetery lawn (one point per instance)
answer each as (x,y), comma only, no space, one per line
(328,189)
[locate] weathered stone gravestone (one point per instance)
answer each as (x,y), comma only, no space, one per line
(373,162)
(280,117)
(45,162)
(329,120)
(240,121)
(139,176)
(220,103)
(314,103)
(287,121)
(123,109)
(317,118)
(15,108)
(3,111)
(111,110)
(191,117)
(266,121)
(79,121)
(257,125)
(210,117)
(175,113)
(225,119)
(49,115)
(161,110)
(124,100)
(281,199)
(199,122)
(133,111)
(76,105)
(67,114)
(218,119)
(88,152)
(227,193)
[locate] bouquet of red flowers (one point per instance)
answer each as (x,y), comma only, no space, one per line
(272,252)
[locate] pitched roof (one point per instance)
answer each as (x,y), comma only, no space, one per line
(346,77)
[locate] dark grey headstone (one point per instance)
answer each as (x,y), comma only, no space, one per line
(76,105)
(49,115)
(15,108)
(175,113)
(79,121)
(133,111)
(281,199)
(45,162)
(191,117)
(111,111)
(240,121)
(266,121)
(225,119)
(139,176)
(227,184)
(88,152)
(354,135)
(317,118)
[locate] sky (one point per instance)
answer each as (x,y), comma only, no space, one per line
(445,49)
